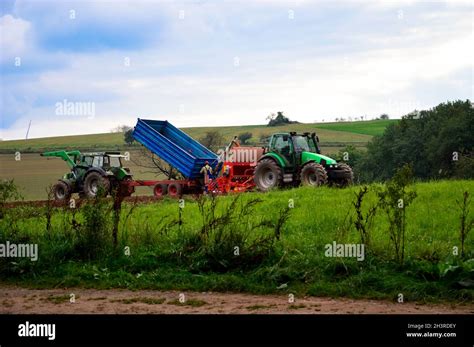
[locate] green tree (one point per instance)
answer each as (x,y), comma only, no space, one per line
(128,138)
(278,119)
(436,142)
(244,137)
(212,140)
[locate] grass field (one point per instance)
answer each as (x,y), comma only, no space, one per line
(115,140)
(372,127)
(165,254)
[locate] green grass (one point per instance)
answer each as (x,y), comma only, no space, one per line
(161,258)
(372,127)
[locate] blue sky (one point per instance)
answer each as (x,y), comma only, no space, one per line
(205,63)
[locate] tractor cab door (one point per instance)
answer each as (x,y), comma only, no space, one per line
(81,168)
(283,145)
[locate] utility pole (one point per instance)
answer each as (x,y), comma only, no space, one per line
(28,131)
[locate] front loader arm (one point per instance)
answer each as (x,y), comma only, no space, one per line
(69,157)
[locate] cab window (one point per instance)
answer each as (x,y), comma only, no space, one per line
(98,161)
(281,145)
(114,162)
(87,161)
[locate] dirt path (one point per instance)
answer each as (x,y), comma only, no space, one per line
(52,301)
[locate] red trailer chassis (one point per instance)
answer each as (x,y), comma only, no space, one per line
(234,177)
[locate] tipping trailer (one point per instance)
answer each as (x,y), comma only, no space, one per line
(231,170)
(179,150)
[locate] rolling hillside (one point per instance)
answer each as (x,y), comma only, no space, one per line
(330,134)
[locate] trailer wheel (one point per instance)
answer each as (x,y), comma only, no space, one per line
(160,190)
(61,191)
(175,190)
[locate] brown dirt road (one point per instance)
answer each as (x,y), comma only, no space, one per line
(116,301)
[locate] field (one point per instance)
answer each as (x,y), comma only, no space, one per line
(168,250)
(115,140)
(373,127)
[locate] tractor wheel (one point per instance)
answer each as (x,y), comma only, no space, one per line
(125,189)
(267,175)
(313,174)
(160,190)
(349,176)
(175,190)
(62,191)
(93,181)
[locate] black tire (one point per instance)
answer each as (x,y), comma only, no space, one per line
(349,175)
(175,190)
(160,190)
(92,183)
(313,174)
(62,191)
(267,175)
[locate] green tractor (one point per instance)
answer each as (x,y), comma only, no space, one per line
(294,159)
(89,171)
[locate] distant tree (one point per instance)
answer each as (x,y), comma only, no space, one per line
(212,140)
(278,119)
(121,129)
(384,116)
(244,137)
(127,136)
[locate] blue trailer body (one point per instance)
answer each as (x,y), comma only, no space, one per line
(174,146)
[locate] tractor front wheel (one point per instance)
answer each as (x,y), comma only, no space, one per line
(348,175)
(313,174)
(267,175)
(93,182)
(62,191)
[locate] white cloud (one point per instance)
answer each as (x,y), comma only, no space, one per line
(191,80)
(13,36)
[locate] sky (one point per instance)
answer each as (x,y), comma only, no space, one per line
(81,67)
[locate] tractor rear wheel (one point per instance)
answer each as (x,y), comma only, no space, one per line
(93,182)
(175,190)
(267,175)
(62,191)
(313,174)
(160,190)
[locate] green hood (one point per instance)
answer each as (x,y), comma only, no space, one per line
(310,156)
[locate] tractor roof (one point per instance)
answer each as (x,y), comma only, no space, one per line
(110,154)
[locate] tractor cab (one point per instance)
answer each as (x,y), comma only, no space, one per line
(292,146)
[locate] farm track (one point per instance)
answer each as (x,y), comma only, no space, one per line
(78,202)
(16,300)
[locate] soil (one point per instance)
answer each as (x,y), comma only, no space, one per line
(16,300)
